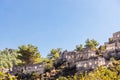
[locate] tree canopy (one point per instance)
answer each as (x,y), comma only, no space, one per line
(79,47)
(54,53)
(29,54)
(92,44)
(8,58)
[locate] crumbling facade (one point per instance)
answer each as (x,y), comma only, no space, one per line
(85,59)
(114,43)
(39,68)
(72,56)
(113,47)
(90,64)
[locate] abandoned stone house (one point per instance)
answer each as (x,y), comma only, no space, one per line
(72,56)
(90,63)
(87,59)
(113,46)
(39,68)
(83,60)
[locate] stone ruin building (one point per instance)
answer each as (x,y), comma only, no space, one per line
(39,68)
(113,47)
(85,59)
(72,56)
(90,64)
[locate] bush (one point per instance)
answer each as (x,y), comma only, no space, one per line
(62,78)
(4,76)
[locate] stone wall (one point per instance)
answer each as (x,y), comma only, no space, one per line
(116,36)
(28,69)
(90,64)
(72,56)
(110,46)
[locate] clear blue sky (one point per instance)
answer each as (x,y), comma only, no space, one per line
(57,23)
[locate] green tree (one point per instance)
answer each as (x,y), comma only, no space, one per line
(29,54)
(54,54)
(4,76)
(101,50)
(8,58)
(79,47)
(102,73)
(48,64)
(110,40)
(92,44)
(62,78)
